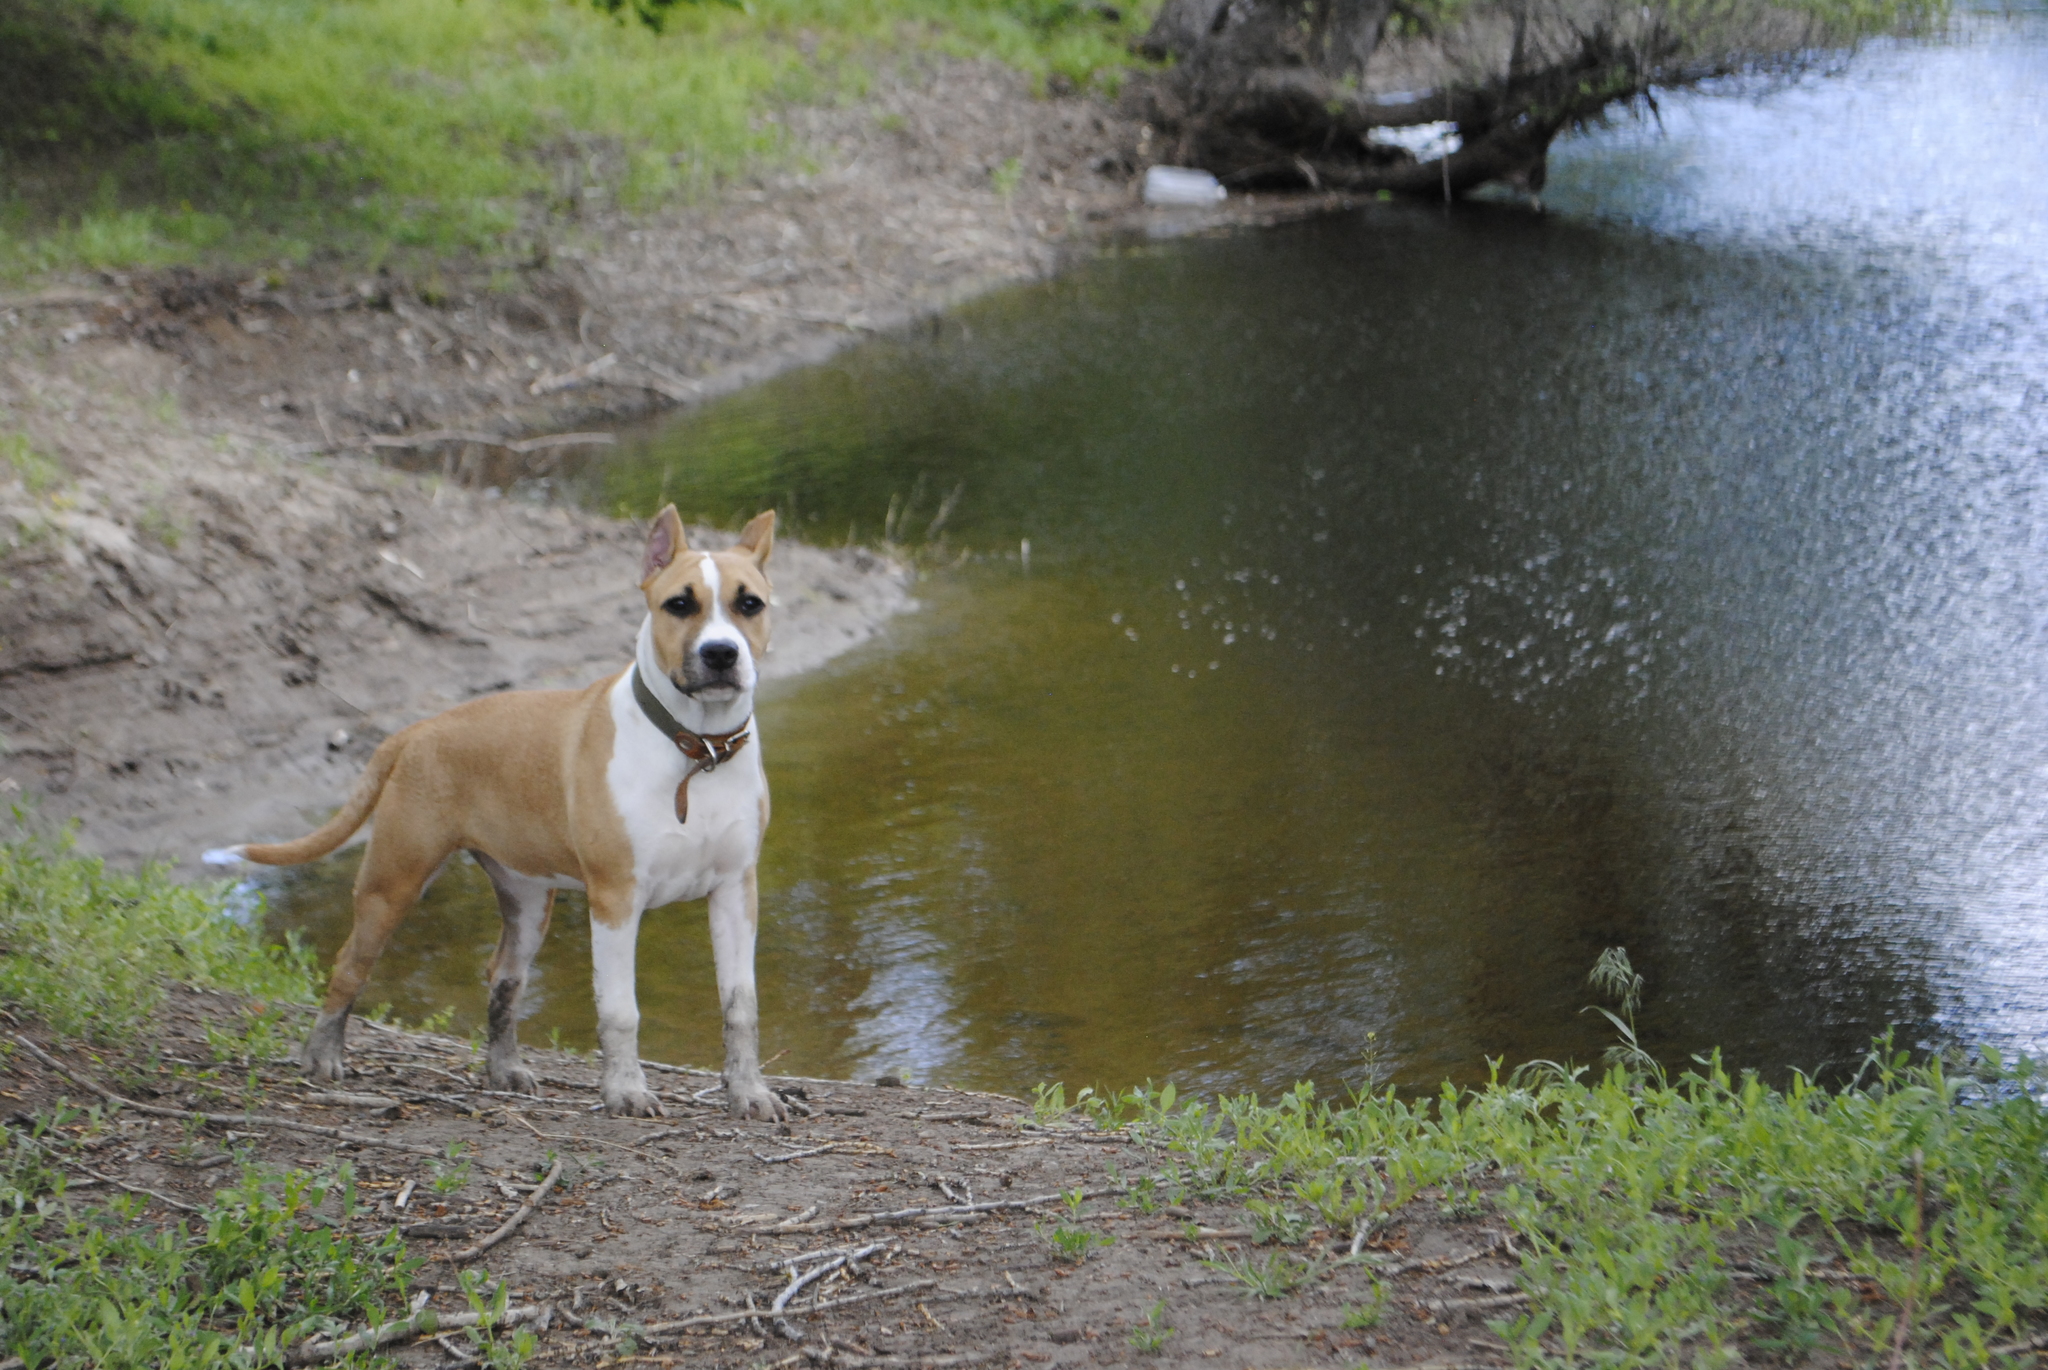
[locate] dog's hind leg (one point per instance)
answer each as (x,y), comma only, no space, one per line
(404,856)
(526,906)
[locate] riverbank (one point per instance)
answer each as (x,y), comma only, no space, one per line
(1544,1219)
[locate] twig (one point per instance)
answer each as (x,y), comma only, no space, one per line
(797,1283)
(831,1355)
(62,1159)
(441,435)
(711,1319)
(798,1155)
(220,1119)
(423,1323)
(906,1215)
(511,1224)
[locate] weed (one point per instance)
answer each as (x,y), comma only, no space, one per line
(1073,1243)
(1277,1276)
(1273,1222)
(90,948)
(1006,177)
(36,472)
(1150,1337)
(1364,1316)
(241,1283)
(451,1169)
(159,524)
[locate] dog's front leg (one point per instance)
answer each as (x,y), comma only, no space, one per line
(735,912)
(614,927)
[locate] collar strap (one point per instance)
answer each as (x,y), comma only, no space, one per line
(705,751)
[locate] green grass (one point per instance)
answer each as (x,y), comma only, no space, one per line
(150,131)
(87,950)
(1636,1200)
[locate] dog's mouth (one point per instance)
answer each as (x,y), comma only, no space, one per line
(720,688)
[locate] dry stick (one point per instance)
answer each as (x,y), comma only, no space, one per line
(221,1119)
(797,1282)
(799,1155)
(422,1323)
(905,1215)
(511,1224)
(710,1319)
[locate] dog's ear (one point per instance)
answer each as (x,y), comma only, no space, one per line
(663,542)
(757,539)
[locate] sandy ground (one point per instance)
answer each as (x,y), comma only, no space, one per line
(664,1229)
(249,524)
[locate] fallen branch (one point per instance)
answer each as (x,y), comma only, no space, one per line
(831,1355)
(798,1282)
(426,1322)
(219,1119)
(441,435)
(713,1319)
(98,1178)
(511,1224)
(909,1215)
(798,1155)
(575,376)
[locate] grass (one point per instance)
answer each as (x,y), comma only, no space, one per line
(245,1279)
(87,950)
(1636,1199)
(139,132)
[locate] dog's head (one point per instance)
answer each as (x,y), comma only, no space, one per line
(709,609)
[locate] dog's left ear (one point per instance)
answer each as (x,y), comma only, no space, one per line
(663,542)
(757,539)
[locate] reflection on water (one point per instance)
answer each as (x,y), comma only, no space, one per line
(1417,604)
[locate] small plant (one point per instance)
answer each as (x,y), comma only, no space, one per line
(1272,1222)
(451,1169)
(1073,1243)
(1074,1199)
(1613,976)
(1150,1337)
(1006,177)
(1360,1317)
(1049,1102)
(36,472)
(1273,1278)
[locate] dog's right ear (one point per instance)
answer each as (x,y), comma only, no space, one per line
(663,543)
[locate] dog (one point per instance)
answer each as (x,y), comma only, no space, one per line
(641,790)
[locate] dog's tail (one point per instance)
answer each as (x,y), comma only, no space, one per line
(334,831)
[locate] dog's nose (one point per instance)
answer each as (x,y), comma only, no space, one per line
(719,656)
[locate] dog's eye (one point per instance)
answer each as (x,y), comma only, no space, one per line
(748,604)
(683,605)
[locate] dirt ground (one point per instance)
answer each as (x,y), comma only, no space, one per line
(665,1228)
(251,522)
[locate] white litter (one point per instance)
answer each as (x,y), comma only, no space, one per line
(1179,185)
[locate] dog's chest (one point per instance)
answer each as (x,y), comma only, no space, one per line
(677,861)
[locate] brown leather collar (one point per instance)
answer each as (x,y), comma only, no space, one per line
(706,751)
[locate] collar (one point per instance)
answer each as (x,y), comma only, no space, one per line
(705,751)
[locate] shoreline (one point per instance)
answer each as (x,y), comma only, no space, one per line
(217,604)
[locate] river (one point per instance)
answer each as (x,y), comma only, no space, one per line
(1415,604)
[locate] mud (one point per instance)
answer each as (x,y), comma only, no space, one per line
(658,1222)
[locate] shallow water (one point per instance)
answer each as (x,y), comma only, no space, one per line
(1416,604)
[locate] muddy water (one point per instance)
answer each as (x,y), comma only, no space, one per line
(1416,604)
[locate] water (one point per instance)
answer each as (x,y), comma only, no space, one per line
(1417,604)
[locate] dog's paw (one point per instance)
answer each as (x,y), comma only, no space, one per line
(634,1103)
(325,1068)
(756,1101)
(514,1080)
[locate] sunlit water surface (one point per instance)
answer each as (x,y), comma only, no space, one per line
(1417,604)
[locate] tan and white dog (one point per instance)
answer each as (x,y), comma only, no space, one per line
(641,790)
